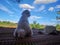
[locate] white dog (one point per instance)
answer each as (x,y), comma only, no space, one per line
(23,29)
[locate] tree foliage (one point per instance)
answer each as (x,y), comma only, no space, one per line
(58,12)
(36,25)
(58,26)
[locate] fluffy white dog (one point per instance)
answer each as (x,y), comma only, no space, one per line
(23,29)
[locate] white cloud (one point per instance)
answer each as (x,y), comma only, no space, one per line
(42,8)
(51,9)
(44,1)
(11,15)
(9,21)
(57,6)
(8,2)
(54,21)
(26,6)
(5,9)
(11,5)
(35,17)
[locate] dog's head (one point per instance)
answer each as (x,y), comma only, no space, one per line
(26,13)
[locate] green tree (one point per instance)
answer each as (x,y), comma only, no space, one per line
(58,12)
(58,27)
(36,25)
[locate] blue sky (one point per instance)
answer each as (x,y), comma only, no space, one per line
(42,11)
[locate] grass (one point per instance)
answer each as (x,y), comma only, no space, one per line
(8,24)
(14,25)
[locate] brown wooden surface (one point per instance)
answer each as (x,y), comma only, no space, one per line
(6,38)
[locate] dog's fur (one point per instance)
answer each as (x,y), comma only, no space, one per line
(23,29)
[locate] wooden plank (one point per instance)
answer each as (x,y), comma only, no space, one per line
(6,38)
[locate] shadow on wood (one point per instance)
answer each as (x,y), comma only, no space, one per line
(6,38)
